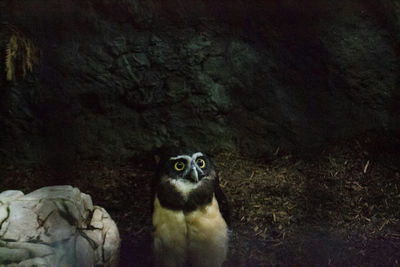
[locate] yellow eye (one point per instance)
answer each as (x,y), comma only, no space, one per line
(201,163)
(179,166)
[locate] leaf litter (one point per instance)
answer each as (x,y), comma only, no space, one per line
(333,207)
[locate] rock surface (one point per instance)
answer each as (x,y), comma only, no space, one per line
(56,226)
(121,77)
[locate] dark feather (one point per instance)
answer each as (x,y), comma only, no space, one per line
(223,203)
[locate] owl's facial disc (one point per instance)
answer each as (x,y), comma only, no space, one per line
(194,164)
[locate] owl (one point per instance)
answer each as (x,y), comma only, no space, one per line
(189,228)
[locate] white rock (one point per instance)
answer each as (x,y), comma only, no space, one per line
(48,227)
(51,192)
(112,239)
(4,227)
(96,235)
(44,209)
(34,249)
(23,224)
(84,252)
(97,218)
(13,255)
(10,195)
(3,212)
(37,262)
(87,201)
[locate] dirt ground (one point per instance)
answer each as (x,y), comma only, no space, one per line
(334,207)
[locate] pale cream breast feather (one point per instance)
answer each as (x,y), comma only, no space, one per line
(200,236)
(170,242)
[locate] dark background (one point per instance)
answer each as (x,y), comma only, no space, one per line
(307,91)
(121,77)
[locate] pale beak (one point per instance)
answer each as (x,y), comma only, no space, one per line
(194,174)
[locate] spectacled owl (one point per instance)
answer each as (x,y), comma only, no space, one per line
(189,228)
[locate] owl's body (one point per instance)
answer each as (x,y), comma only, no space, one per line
(189,227)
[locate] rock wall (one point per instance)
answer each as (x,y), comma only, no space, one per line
(119,77)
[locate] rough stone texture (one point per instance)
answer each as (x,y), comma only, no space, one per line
(120,77)
(56,226)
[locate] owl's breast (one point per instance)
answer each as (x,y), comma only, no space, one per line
(170,242)
(199,236)
(207,233)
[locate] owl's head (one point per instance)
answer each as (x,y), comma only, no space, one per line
(185,181)
(192,167)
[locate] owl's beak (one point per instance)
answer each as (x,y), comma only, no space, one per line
(194,175)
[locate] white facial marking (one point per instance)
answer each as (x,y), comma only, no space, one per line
(184,186)
(191,165)
(196,155)
(181,157)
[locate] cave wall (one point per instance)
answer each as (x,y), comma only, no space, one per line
(120,77)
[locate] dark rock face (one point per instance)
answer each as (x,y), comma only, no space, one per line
(121,77)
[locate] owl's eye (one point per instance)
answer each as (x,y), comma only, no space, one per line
(201,163)
(179,166)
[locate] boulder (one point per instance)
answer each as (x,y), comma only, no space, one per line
(56,226)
